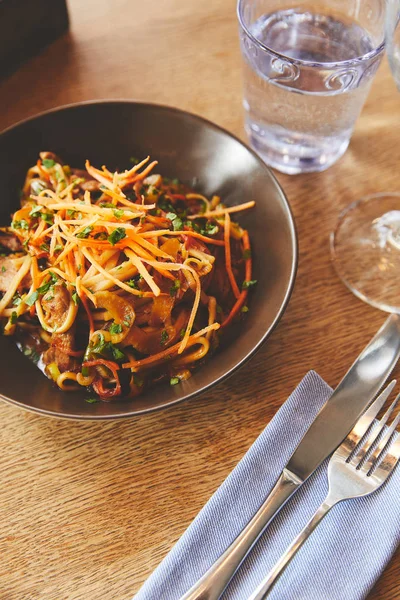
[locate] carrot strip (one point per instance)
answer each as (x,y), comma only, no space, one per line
(242,298)
(199,236)
(228,258)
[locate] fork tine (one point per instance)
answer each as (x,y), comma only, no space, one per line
(373,435)
(365,421)
(381,449)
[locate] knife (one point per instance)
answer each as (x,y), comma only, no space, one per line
(332,424)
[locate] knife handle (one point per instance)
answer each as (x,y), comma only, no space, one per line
(214,581)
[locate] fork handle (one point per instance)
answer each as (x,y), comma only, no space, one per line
(214,581)
(265,586)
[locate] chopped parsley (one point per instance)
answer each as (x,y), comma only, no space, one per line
(30,300)
(133,284)
(46,286)
(115,328)
(75,298)
(118,213)
(48,163)
(245,309)
(48,217)
(164,337)
(70,212)
(20,224)
(3,269)
(107,205)
(117,235)
(85,371)
(182,333)
(174,380)
(35,212)
(174,287)
(106,349)
(85,232)
(45,247)
(177,222)
(16,300)
(211,229)
(13,317)
(92,400)
(247,284)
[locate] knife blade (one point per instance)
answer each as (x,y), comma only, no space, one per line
(334,421)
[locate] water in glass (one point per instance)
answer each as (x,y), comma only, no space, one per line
(300,108)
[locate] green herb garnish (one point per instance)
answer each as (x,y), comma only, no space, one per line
(164,337)
(48,163)
(248,284)
(115,328)
(211,229)
(92,400)
(174,287)
(16,300)
(117,235)
(177,222)
(48,217)
(35,212)
(20,224)
(118,213)
(30,300)
(174,380)
(14,317)
(85,232)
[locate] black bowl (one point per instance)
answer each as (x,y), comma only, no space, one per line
(187,147)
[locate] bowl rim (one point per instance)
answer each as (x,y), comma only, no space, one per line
(267,333)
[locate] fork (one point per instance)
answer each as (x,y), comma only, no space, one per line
(359,466)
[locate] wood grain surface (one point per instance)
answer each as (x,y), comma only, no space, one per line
(88,510)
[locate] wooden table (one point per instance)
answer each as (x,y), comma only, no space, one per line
(87,510)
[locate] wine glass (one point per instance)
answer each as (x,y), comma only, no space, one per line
(365,245)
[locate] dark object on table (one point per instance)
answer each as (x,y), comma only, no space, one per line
(26,27)
(186,147)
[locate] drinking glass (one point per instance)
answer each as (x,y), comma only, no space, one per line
(308,66)
(365,246)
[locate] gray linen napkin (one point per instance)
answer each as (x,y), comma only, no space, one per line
(341,560)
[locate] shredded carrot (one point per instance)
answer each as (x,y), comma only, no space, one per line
(243,296)
(228,259)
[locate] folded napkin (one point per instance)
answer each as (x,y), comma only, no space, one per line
(341,560)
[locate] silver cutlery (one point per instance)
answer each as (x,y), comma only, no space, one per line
(360,465)
(333,423)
